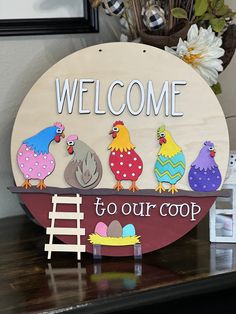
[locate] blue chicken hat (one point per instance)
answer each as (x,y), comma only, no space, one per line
(40,142)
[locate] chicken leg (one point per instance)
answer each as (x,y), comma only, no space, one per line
(41,185)
(160,188)
(134,187)
(118,186)
(26,184)
(173,189)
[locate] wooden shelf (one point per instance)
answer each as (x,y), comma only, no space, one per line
(146,192)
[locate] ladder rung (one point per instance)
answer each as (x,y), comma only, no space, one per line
(65,248)
(66,215)
(66,200)
(66,231)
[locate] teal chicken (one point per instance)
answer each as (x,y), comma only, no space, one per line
(170,163)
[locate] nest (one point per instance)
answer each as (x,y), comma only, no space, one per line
(96,239)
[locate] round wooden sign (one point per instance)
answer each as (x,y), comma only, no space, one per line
(119,145)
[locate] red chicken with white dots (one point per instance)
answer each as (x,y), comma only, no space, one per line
(124,162)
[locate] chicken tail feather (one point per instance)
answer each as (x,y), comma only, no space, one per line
(87,174)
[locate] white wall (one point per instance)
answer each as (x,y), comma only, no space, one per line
(228,97)
(23,60)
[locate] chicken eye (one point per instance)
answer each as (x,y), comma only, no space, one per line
(59,131)
(71,143)
(162,134)
(115,129)
(211,148)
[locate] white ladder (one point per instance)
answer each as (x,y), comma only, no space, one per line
(52,230)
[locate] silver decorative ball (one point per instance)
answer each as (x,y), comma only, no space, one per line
(113,7)
(153,17)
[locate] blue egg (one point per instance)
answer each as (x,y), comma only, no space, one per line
(128,231)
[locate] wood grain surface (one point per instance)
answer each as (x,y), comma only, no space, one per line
(203,117)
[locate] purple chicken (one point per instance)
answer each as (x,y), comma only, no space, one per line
(204,174)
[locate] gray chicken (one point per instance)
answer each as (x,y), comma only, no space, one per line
(84,171)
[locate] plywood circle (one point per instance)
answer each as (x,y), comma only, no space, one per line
(203,117)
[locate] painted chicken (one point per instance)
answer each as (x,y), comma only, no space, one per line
(124,162)
(204,174)
(33,157)
(84,171)
(170,164)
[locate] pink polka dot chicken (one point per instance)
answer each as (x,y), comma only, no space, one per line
(33,157)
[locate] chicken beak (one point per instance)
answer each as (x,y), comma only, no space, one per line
(63,134)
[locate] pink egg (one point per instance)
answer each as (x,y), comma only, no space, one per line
(101,229)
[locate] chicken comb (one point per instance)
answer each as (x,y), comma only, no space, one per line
(59,125)
(208,143)
(161,129)
(119,122)
(72,138)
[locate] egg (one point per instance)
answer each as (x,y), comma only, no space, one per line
(128,231)
(101,229)
(114,229)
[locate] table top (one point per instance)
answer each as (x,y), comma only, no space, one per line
(32,284)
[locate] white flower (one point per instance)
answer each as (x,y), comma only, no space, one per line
(202,51)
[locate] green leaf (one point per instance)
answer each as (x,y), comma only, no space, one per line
(200,7)
(219,5)
(218,24)
(217,88)
(231,14)
(207,16)
(222,11)
(179,13)
(213,3)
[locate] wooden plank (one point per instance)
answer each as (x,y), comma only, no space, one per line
(65,248)
(65,215)
(110,192)
(66,200)
(65,231)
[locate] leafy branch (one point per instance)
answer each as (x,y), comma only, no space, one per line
(214,12)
